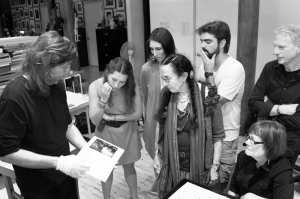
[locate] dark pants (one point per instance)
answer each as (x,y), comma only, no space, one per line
(65,190)
(293,146)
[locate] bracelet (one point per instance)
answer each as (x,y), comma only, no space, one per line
(101,105)
(156,152)
(216,167)
(102,102)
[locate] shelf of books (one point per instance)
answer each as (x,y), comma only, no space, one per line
(11,56)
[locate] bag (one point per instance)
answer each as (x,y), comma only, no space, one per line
(81,123)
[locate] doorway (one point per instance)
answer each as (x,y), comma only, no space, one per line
(93,16)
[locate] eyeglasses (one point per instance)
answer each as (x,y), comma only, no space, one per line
(252,141)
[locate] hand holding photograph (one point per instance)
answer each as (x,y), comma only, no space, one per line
(98,151)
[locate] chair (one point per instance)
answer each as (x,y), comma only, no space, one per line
(73,79)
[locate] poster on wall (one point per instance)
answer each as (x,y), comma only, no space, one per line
(81,21)
(109,3)
(36,12)
(120,4)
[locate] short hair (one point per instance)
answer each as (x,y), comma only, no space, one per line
(292,30)
(123,66)
(164,37)
(273,134)
(48,51)
(219,29)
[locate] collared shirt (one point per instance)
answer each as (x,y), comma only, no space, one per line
(273,180)
(272,84)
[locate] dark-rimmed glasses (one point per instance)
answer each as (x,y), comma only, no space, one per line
(252,141)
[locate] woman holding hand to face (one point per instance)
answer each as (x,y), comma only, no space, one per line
(115,105)
(261,170)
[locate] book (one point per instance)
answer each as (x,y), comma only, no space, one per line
(102,157)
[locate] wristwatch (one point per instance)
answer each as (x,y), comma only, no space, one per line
(278,111)
(206,74)
(216,167)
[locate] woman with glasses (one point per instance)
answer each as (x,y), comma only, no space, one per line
(261,170)
(35,123)
(191,130)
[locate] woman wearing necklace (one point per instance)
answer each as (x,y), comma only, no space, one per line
(261,170)
(191,130)
(115,105)
(160,45)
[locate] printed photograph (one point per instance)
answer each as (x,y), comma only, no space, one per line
(109,3)
(120,4)
(104,147)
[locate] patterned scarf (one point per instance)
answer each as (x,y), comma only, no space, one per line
(200,141)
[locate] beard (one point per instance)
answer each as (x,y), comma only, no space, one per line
(210,55)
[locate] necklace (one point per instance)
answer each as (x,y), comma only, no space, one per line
(183,98)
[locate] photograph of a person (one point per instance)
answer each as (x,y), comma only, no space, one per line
(79,7)
(104,147)
(121,16)
(108,15)
(109,3)
(81,21)
(120,4)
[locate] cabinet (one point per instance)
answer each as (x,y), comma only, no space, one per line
(109,43)
(82,48)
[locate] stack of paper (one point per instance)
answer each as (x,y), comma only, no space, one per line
(5,60)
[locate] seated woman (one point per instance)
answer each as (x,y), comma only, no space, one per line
(191,131)
(261,170)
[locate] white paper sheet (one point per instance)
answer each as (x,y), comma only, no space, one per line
(191,191)
(102,157)
(76,99)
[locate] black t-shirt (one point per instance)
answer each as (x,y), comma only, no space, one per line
(37,124)
(268,181)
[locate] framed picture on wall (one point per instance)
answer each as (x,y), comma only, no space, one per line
(81,21)
(31,14)
(26,13)
(16,2)
(42,2)
(38,26)
(36,13)
(120,4)
(21,11)
(22,3)
(121,16)
(29,3)
(57,8)
(108,14)
(12,4)
(109,4)
(35,3)
(31,23)
(79,7)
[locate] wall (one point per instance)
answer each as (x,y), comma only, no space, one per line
(183,22)
(273,13)
(178,17)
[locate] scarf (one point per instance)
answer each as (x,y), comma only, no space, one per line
(200,142)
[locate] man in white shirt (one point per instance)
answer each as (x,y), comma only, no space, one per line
(229,77)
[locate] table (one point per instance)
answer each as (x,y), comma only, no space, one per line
(80,104)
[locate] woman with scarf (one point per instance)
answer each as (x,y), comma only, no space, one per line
(191,129)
